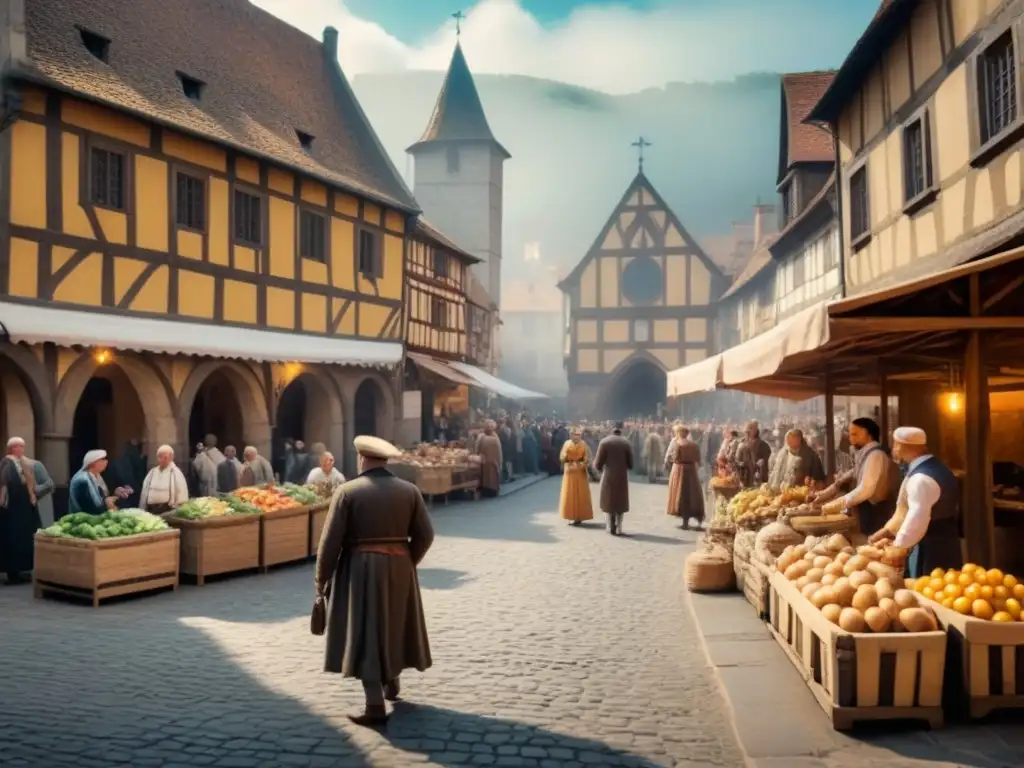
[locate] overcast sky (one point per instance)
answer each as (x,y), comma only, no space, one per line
(618,47)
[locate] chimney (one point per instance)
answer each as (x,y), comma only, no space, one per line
(331,44)
(763,222)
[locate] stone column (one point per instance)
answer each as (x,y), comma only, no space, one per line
(53,450)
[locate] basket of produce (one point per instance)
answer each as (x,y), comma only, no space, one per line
(775,537)
(756,507)
(725,487)
(100,556)
(868,648)
(710,568)
(981,611)
(218,535)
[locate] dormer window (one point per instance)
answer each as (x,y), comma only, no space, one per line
(191,87)
(97,45)
(305,140)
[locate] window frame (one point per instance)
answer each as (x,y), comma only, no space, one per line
(202,179)
(184,80)
(984,150)
(376,271)
(304,212)
(438,312)
(94,145)
(235,238)
(913,203)
(860,239)
(441,256)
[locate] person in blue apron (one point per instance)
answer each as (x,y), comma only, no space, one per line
(924,529)
(876,480)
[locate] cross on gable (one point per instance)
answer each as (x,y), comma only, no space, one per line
(458,16)
(640,144)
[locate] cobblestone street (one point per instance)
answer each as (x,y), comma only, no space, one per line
(553,646)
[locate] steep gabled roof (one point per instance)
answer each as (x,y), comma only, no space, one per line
(458,114)
(798,141)
(640,181)
(263,81)
(428,231)
(891,18)
(760,261)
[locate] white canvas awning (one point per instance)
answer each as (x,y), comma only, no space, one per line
(441,369)
(751,365)
(35,325)
(704,376)
(496,385)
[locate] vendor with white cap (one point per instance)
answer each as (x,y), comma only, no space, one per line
(924,530)
(87,491)
(376,533)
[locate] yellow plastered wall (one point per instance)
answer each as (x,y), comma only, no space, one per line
(609,266)
(612,358)
(588,286)
(587,361)
(28,176)
(615,331)
(151,203)
(586,331)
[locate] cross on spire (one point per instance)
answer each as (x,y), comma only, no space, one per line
(640,144)
(459,16)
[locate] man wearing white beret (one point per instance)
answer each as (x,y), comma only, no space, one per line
(924,530)
(376,533)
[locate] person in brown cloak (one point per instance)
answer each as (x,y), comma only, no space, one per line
(377,531)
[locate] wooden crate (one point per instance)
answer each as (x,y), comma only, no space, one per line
(214,545)
(755,587)
(317,518)
(98,569)
(284,536)
(859,677)
(984,663)
(434,481)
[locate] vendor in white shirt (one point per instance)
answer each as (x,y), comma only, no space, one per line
(924,529)
(165,487)
(876,480)
(326,471)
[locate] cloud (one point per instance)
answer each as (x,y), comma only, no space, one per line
(611,48)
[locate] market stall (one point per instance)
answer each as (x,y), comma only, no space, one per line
(218,535)
(439,470)
(108,555)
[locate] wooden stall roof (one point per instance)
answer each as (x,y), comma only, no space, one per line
(911,331)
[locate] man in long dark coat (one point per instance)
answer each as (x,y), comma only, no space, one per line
(614,460)
(376,533)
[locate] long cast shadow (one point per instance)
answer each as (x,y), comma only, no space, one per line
(442,578)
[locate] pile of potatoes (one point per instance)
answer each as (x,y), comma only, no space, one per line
(853,588)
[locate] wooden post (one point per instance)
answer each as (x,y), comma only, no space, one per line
(883,410)
(978,514)
(830,428)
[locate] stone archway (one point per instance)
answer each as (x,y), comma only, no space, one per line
(310,409)
(105,403)
(637,387)
(226,396)
(369,404)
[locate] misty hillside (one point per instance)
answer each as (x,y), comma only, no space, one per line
(715,150)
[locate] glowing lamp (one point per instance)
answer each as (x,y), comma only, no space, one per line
(954,403)
(102,356)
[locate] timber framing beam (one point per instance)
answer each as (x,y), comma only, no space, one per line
(918,324)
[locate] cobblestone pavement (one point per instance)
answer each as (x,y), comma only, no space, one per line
(553,646)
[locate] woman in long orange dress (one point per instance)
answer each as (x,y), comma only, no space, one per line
(575,504)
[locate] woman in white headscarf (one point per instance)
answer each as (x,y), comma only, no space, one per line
(87,491)
(165,487)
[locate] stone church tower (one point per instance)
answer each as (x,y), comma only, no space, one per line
(458,174)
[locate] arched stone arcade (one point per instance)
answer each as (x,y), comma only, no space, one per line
(637,388)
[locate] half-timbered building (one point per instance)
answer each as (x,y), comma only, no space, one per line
(199,232)
(641,303)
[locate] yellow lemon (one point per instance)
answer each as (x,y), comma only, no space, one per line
(973,592)
(994,577)
(1009,581)
(947,602)
(1013,607)
(938,573)
(1002,616)
(962,605)
(953,590)
(937,585)
(1001,592)
(928,592)
(987,592)
(965,578)
(981,609)
(1018,591)
(951,577)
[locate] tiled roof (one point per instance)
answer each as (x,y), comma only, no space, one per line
(822,195)
(477,294)
(430,232)
(804,143)
(458,114)
(263,81)
(759,261)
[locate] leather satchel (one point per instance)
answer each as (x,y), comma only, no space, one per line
(318,617)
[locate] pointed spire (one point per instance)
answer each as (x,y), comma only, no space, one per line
(458,114)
